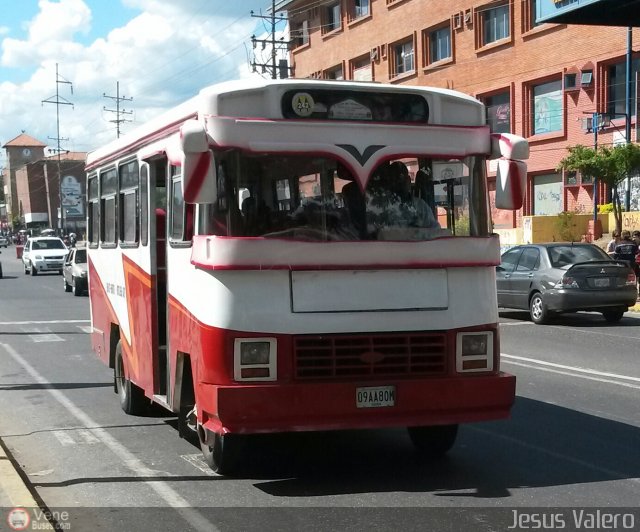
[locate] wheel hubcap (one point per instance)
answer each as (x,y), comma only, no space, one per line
(536,308)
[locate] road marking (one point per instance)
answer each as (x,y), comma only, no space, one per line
(572,371)
(40,335)
(516,323)
(196,461)
(41,338)
(168,494)
(82,437)
(85,328)
(64,438)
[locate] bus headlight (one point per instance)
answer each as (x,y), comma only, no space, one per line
(474,351)
(255,359)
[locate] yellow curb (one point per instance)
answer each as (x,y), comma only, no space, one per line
(635,308)
(12,484)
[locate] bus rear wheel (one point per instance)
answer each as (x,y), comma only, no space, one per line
(132,399)
(221,453)
(434,441)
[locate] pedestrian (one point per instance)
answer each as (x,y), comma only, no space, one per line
(611,246)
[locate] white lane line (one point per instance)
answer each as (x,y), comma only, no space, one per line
(516,323)
(198,463)
(85,328)
(41,338)
(571,371)
(64,438)
(42,322)
(168,494)
(87,437)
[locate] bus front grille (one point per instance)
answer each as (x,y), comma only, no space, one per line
(370,355)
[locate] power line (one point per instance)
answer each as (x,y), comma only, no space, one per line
(275,67)
(58,101)
(117,98)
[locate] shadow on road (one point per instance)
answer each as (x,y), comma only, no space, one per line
(542,445)
(575,319)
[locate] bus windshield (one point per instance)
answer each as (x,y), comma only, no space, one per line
(315,198)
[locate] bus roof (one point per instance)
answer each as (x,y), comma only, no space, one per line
(260,98)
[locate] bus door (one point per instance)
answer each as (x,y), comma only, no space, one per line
(158,250)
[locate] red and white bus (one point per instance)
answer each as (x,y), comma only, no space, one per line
(304,255)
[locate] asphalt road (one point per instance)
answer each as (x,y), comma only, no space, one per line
(572,442)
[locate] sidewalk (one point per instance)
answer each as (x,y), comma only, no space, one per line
(13,491)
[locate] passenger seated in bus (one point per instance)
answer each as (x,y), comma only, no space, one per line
(353,201)
(391,204)
(255,217)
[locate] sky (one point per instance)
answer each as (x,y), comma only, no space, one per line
(161,52)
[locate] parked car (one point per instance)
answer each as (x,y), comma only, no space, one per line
(43,254)
(74,272)
(564,277)
(4,241)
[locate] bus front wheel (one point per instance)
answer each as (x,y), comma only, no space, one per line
(434,441)
(132,399)
(221,453)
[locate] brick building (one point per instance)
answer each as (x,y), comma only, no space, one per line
(35,189)
(541,81)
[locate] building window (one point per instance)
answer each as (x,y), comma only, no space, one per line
(616,87)
(529,15)
(361,69)
(439,44)
(334,73)
(547,194)
(546,107)
(495,24)
(332,17)
(499,112)
(359,9)
(570,81)
(403,58)
(300,33)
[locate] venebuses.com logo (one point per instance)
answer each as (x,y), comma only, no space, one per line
(37,519)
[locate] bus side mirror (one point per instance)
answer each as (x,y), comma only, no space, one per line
(198,164)
(511,181)
(511,174)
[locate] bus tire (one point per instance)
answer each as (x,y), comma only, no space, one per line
(132,399)
(434,441)
(222,455)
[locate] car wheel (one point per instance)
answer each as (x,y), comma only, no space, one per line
(26,270)
(67,286)
(76,291)
(34,270)
(0,271)
(538,309)
(224,453)
(613,316)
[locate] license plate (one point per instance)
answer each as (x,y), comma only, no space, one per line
(601,283)
(375,396)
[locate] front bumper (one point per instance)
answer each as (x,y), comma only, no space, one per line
(573,300)
(50,265)
(328,406)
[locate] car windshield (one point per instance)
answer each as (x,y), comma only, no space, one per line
(52,243)
(81,256)
(563,255)
(316,198)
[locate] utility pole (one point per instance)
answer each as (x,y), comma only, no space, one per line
(117,110)
(274,66)
(58,101)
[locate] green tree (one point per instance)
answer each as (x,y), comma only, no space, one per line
(611,165)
